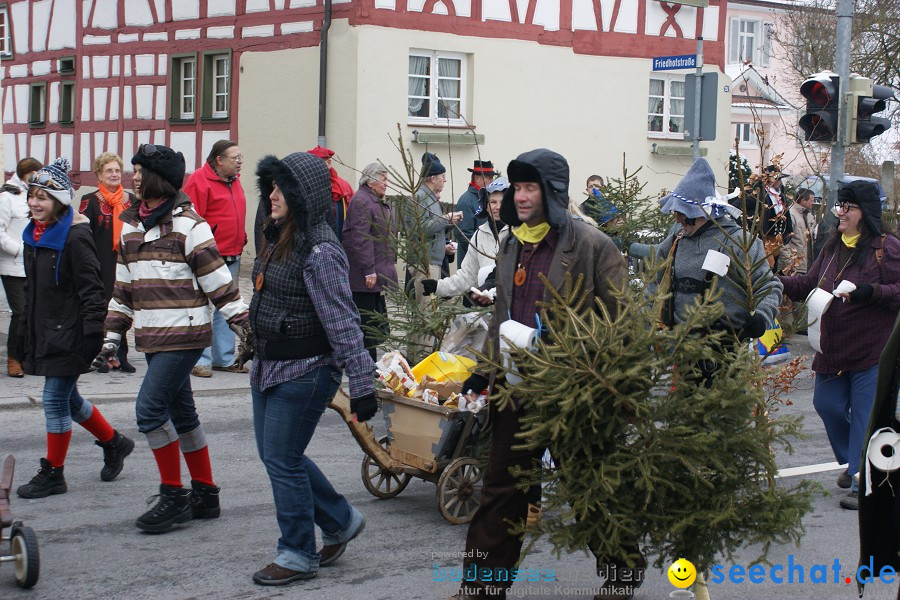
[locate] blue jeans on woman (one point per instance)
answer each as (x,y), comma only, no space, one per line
(285,417)
(165,399)
(63,404)
(844,402)
(221,353)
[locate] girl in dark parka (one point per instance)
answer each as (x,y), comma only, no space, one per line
(63,326)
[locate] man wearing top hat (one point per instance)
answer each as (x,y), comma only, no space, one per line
(482,174)
(776,225)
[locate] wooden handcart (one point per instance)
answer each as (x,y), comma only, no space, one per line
(431,442)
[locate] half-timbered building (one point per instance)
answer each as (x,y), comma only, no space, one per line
(80,77)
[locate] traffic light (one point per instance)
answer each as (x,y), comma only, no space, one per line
(865,100)
(820,121)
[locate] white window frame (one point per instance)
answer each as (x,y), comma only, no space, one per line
(667,113)
(747,136)
(183,78)
(761,38)
(434,88)
(220,85)
(6,50)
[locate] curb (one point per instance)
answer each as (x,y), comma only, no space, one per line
(31,401)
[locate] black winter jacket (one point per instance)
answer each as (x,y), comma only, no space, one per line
(64,302)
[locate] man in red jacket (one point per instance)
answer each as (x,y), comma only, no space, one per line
(218,197)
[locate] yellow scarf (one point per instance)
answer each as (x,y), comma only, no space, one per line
(531,235)
(850,240)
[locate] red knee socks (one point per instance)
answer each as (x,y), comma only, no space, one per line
(168,460)
(98,427)
(199,466)
(57,447)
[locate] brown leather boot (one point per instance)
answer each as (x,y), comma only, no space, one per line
(14,368)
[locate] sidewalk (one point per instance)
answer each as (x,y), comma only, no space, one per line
(115,386)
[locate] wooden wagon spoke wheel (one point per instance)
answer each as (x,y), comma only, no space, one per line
(379,481)
(459,490)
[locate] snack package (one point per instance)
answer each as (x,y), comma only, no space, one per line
(465,402)
(430,396)
(444,389)
(394,371)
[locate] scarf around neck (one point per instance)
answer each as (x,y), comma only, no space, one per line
(850,240)
(531,235)
(52,235)
(151,216)
(115,201)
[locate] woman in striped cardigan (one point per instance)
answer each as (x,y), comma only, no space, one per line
(169,271)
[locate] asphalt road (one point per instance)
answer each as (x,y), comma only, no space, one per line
(91,549)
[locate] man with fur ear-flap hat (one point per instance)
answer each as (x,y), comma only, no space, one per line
(707,221)
(544,240)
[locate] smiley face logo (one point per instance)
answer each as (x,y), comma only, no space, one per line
(682,573)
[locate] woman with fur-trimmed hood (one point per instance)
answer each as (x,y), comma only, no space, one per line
(306,334)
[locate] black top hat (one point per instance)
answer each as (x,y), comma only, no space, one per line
(772,169)
(483,167)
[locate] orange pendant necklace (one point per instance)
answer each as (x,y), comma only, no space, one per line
(520,275)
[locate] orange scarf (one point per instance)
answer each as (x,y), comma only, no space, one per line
(114,199)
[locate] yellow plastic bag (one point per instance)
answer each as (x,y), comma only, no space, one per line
(442,366)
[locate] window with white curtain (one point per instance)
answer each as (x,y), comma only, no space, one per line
(665,107)
(437,88)
(747,135)
(750,42)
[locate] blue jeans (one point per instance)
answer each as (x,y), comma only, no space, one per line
(63,404)
(165,403)
(844,402)
(221,353)
(285,417)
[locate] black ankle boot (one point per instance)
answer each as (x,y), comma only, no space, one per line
(48,481)
(173,506)
(127,367)
(204,500)
(114,453)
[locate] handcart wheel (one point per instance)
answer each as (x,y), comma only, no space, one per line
(381,482)
(459,490)
(24,546)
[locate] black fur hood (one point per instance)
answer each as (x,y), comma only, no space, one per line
(306,184)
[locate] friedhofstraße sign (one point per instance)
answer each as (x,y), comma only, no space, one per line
(668,63)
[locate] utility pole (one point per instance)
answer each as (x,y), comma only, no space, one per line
(698,83)
(844,14)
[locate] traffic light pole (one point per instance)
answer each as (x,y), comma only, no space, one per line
(698,83)
(844,14)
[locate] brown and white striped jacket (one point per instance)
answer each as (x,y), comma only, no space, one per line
(165,279)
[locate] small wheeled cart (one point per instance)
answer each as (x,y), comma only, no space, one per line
(23,544)
(431,442)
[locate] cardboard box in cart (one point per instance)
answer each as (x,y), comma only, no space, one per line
(421,432)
